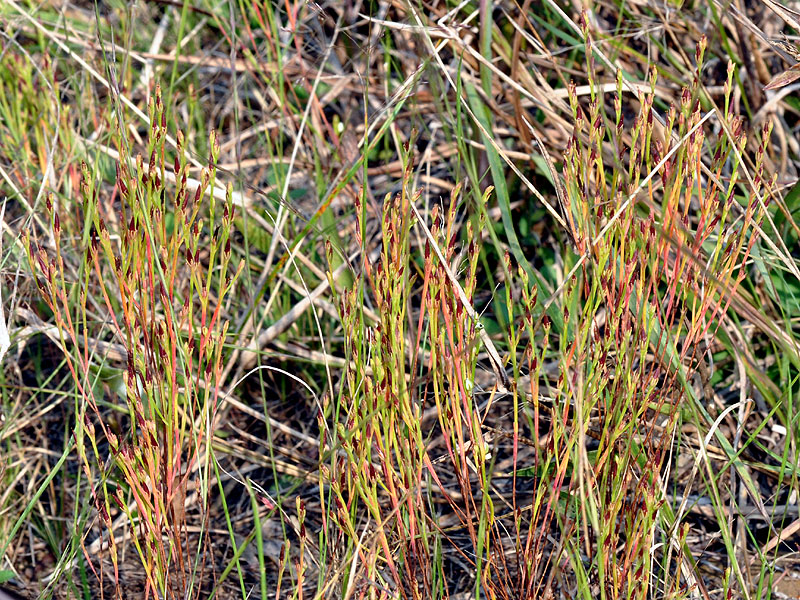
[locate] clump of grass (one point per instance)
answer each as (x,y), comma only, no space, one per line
(643,209)
(161,294)
(637,304)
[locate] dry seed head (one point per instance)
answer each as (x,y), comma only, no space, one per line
(598,125)
(214,145)
(700,50)
(582,22)
(118,495)
(572,94)
(766,132)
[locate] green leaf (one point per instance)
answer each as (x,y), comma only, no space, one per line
(787,290)
(792,200)
(255,234)
(497,168)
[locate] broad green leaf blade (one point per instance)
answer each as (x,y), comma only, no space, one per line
(501,188)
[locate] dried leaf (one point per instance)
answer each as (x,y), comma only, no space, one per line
(787,46)
(784,78)
(792,17)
